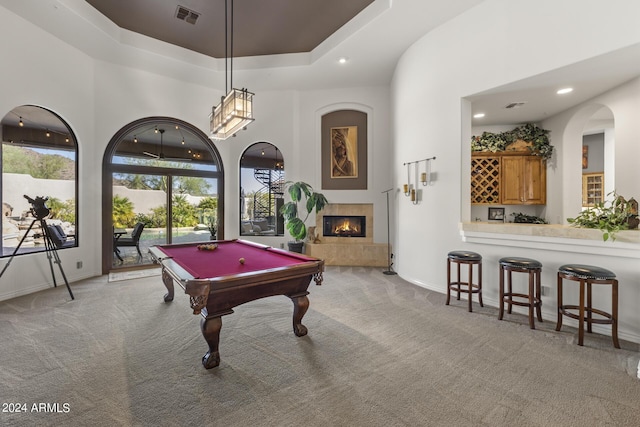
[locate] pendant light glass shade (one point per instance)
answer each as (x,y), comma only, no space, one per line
(234,112)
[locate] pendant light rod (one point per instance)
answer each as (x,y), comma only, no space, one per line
(231,56)
(235,110)
(226,47)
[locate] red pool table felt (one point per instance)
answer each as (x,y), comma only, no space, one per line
(225,259)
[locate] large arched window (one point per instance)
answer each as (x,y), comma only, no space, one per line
(39,160)
(261,190)
(165,176)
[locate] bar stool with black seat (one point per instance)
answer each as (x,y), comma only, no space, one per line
(469,258)
(588,275)
(532,299)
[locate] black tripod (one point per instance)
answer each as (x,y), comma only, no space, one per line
(389,271)
(50,249)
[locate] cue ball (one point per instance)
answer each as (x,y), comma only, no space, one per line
(241,260)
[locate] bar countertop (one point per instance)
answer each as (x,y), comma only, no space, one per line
(552,237)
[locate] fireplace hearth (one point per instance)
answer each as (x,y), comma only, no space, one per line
(344,226)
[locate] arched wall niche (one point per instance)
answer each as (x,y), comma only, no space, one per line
(366,113)
(344,150)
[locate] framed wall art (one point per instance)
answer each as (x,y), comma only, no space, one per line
(496,214)
(344,152)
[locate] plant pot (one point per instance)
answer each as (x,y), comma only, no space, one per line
(212,237)
(295,247)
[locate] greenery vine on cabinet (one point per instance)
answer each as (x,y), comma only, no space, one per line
(537,138)
(509,168)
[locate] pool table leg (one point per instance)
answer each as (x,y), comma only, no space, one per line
(300,306)
(211,331)
(168,283)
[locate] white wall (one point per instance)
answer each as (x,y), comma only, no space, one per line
(497,42)
(624,103)
(291,121)
(40,70)
(98,98)
(17,185)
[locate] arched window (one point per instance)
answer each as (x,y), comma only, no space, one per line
(166,175)
(39,167)
(261,190)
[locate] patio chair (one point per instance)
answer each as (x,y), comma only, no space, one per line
(59,238)
(133,241)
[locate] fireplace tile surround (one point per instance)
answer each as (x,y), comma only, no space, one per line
(348,251)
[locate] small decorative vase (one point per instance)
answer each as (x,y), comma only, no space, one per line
(633,206)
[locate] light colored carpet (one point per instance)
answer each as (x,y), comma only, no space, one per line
(380,352)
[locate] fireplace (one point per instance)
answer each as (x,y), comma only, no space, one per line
(344,226)
(336,248)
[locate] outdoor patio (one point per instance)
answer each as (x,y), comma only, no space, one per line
(156,236)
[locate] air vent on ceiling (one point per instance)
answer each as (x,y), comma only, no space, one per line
(187,15)
(515,105)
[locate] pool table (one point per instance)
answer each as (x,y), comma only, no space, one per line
(235,272)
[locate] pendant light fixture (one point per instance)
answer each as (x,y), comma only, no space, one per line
(235,110)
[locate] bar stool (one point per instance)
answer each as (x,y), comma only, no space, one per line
(588,275)
(470,258)
(533,268)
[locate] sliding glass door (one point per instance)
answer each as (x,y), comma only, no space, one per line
(166,179)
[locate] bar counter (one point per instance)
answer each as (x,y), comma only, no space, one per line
(552,237)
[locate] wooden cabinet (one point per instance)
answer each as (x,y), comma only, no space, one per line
(592,189)
(524,180)
(508,179)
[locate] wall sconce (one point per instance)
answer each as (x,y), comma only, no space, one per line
(410,189)
(407,186)
(425,177)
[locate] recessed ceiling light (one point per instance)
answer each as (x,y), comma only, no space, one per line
(564,90)
(478,116)
(343,60)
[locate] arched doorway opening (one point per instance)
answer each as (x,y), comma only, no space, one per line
(591,119)
(598,152)
(163,176)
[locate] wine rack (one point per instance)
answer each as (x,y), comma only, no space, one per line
(485,180)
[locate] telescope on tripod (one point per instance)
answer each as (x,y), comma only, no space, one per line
(40,211)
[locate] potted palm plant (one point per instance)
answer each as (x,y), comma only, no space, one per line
(291,213)
(213,228)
